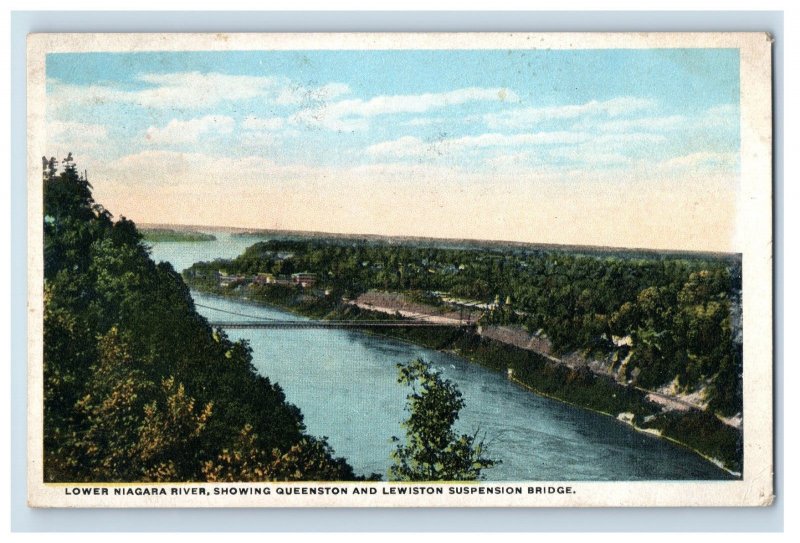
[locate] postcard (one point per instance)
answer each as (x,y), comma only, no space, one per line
(400,270)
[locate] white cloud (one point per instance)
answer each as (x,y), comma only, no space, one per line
(322,118)
(163,168)
(590,156)
(196,90)
(524,117)
(258,174)
(78,138)
(703,160)
(255,173)
(178,131)
(557,151)
(419,103)
(724,116)
(629,138)
(191,90)
(409,146)
(59,131)
(423,121)
(402,147)
(352,114)
(62,95)
(512,140)
(721,116)
(647,124)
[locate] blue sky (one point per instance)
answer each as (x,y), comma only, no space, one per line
(320,131)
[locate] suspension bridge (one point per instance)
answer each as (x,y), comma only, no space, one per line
(258,322)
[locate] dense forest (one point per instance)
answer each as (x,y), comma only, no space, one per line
(168,234)
(137,386)
(672,318)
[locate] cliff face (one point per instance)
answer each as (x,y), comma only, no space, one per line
(619,365)
(615,365)
(668,412)
(518,337)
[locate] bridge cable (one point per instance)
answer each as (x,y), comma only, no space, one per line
(236,313)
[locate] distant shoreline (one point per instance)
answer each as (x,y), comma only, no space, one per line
(167,235)
(438,242)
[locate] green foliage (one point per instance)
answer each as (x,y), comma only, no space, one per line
(162,235)
(137,387)
(432,450)
(308,459)
(678,310)
(130,428)
(702,432)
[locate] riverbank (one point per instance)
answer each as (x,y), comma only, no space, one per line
(696,430)
(162,235)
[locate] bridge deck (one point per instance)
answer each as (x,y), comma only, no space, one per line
(333,324)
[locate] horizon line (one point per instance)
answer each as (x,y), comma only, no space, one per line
(561,246)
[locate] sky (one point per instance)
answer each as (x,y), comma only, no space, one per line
(624,148)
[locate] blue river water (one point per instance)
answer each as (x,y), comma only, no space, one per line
(345,383)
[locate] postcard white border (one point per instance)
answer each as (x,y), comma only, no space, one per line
(754,220)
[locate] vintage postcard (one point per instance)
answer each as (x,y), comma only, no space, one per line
(393,270)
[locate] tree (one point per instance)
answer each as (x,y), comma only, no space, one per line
(130,428)
(310,459)
(137,386)
(432,450)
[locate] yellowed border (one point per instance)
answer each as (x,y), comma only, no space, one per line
(754,226)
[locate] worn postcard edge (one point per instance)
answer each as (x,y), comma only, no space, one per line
(754,223)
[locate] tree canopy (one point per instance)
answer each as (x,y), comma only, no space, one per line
(432,450)
(679,314)
(137,386)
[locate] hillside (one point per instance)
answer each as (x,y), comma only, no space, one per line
(654,339)
(137,386)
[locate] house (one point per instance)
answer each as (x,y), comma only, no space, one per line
(226,280)
(263,279)
(305,279)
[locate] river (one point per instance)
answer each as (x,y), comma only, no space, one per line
(345,383)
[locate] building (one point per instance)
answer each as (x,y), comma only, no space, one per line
(264,279)
(226,280)
(305,279)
